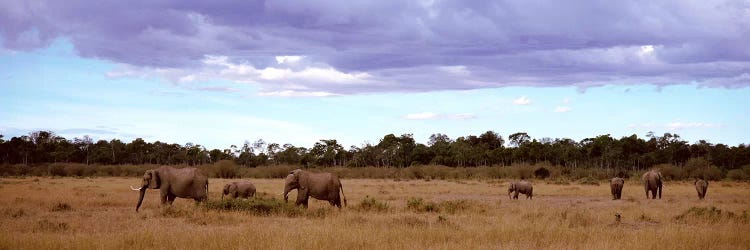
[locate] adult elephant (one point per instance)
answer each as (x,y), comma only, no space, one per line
(523,187)
(242,189)
(321,186)
(652,182)
(616,185)
(701,186)
(188,183)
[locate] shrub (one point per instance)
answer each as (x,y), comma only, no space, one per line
(57,169)
(226,169)
(541,173)
(257,206)
(709,173)
(670,172)
(588,181)
(48,226)
(709,214)
(455,206)
(61,207)
(736,175)
(371,204)
(419,205)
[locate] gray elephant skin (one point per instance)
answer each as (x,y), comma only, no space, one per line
(241,189)
(522,187)
(702,187)
(652,182)
(616,185)
(321,186)
(189,183)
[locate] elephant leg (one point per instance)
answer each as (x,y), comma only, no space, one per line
(163,196)
(170,198)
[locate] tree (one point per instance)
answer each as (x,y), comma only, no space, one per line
(519,139)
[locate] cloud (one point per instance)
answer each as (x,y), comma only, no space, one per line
(421,116)
(690,125)
(562,109)
(522,101)
(433,116)
(400,46)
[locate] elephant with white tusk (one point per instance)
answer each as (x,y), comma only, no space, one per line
(321,186)
(173,183)
(241,189)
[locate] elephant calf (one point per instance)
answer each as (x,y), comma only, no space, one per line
(616,185)
(321,186)
(523,187)
(702,187)
(242,189)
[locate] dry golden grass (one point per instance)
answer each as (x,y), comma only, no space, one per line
(43,213)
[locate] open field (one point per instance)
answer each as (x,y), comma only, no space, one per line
(462,214)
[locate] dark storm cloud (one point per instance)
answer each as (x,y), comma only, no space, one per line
(410,45)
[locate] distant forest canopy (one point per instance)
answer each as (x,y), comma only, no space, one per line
(487,149)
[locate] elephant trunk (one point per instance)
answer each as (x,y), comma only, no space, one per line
(286,193)
(140,199)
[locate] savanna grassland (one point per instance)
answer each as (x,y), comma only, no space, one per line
(82,213)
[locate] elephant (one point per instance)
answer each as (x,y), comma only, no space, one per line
(321,186)
(523,187)
(616,185)
(701,186)
(652,181)
(173,183)
(242,189)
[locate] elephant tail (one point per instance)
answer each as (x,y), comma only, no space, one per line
(342,193)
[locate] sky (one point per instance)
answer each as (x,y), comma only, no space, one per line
(220,73)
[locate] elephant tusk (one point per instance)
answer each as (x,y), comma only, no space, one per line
(135,189)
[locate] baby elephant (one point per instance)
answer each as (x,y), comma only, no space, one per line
(616,185)
(242,189)
(702,187)
(523,187)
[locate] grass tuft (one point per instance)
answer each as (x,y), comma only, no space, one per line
(61,207)
(49,226)
(263,207)
(370,204)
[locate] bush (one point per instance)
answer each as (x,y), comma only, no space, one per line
(455,206)
(709,214)
(57,169)
(226,169)
(256,206)
(671,172)
(541,173)
(737,175)
(371,204)
(588,181)
(708,173)
(61,207)
(419,205)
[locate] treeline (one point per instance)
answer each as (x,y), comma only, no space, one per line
(488,149)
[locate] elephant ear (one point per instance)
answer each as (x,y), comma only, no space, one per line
(155,182)
(226,189)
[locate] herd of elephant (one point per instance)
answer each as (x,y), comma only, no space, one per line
(191,183)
